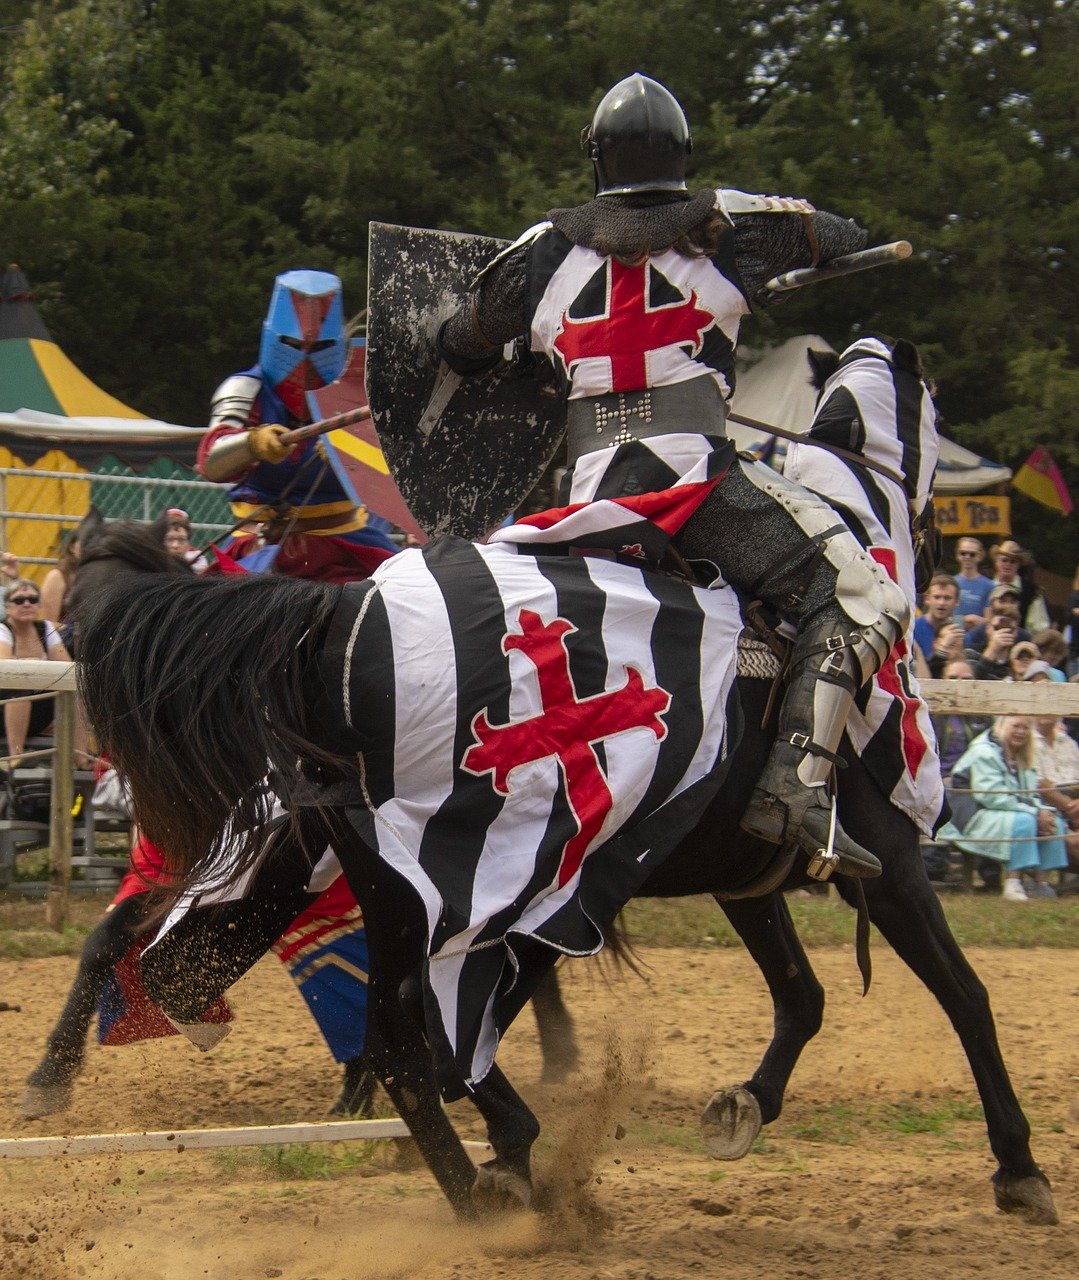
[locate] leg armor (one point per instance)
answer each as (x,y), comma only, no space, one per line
(848,614)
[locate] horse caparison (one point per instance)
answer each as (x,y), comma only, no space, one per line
(194,685)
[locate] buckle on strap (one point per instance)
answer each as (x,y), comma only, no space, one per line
(804,743)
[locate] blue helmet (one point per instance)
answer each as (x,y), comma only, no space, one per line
(303,337)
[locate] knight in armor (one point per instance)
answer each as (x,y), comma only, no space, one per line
(635,298)
(308,526)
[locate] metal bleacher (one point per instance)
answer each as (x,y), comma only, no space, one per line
(97,864)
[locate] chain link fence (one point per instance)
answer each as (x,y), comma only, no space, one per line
(34,529)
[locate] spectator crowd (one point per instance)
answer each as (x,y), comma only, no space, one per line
(1013,780)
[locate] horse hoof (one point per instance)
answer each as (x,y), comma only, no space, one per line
(559,1070)
(42,1100)
(500,1190)
(730,1123)
(1028,1198)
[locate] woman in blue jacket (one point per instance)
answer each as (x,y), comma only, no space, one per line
(1011,825)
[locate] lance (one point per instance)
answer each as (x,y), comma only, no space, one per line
(299,434)
(880,256)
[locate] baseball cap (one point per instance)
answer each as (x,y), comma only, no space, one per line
(1037,669)
(1004,589)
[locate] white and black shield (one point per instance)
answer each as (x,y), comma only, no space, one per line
(463,451)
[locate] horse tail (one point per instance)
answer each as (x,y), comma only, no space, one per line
(196,689)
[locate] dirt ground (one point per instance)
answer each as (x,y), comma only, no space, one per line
(878,1167)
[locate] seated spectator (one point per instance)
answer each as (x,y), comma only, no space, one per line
(1010,823)
(1014,567)
(935,624)
(24,634)
(956,733)
(1056,758)
(1021,657)
(1037,670)
(1053,649)
(974,587)
(178,538)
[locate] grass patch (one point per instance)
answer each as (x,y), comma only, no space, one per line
(909,1117)
(977,920)
(24,935)
(841,1123)
(655,1133)
(836,1124)
(296,1161)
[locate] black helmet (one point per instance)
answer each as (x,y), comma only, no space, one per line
(638,139)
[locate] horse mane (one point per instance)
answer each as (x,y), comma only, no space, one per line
(111,547)
(198,688)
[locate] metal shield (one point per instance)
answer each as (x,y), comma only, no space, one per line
(463,451)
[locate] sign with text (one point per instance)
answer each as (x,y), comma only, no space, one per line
(974,515)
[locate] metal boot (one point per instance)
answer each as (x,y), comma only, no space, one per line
(791,802)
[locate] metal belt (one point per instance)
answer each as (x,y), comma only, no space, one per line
(598,422)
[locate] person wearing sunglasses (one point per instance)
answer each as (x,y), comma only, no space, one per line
(974,586)
(23,634)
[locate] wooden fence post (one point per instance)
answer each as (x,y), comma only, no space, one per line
(60,820)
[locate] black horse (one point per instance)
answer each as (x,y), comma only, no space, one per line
(188,688)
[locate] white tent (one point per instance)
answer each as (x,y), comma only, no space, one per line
(773,386)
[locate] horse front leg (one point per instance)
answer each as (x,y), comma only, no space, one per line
(733,1119)
(49,1085)
(396,1052)
(506,1181)
(394,1045)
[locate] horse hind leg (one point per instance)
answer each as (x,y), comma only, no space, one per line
(905,909)
(734,1117)
(49,1086)
(557,1036)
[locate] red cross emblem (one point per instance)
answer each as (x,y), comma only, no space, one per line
(893,681)
(631,328)
(566,728)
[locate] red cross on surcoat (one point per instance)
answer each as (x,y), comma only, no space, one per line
(891,681)
(566,728)
(632,328)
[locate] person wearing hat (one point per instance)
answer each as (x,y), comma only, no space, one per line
(1025,662)
(990,644)
(1013,567)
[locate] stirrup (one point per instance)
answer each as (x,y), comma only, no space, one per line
(828,847)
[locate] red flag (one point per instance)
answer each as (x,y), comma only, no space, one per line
(1039,478)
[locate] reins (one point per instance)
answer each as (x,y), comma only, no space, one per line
(848,455)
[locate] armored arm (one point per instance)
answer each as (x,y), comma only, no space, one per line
(769,243)
(233,444)
(472,339)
